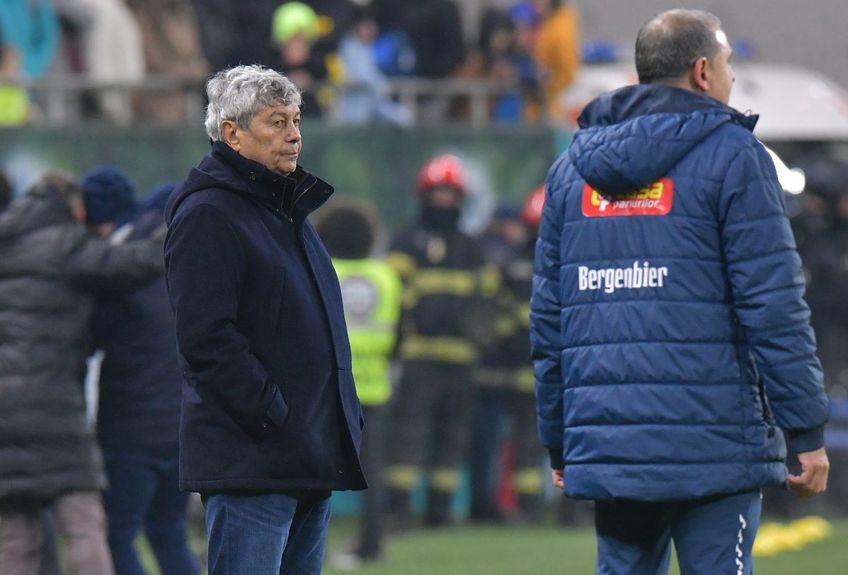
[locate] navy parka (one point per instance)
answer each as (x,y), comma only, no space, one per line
(670,336)
(268,397)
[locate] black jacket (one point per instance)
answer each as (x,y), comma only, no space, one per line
(49,266)
(268,397)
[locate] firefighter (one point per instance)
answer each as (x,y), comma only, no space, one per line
(445,280)
(504,380)
(371,292)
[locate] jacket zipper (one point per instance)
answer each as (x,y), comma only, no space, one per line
(297,199)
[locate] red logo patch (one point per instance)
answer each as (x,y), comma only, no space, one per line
(653,200)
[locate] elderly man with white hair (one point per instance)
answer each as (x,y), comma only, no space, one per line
(271,423)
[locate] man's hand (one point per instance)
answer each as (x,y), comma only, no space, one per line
(814,470)
(557,476)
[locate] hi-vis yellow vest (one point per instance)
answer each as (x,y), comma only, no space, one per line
(371,291)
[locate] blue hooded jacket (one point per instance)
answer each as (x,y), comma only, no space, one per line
(670,336)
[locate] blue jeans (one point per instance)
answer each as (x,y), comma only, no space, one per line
(267,534)
(712,536)
(144,492)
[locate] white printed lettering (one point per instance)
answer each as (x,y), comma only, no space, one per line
(635,276)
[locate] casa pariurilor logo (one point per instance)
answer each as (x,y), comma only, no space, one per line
(653,200)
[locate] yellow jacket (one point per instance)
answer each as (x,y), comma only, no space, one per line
(558,55)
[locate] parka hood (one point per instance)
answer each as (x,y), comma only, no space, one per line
(35,210)
(224,168)
(633,136)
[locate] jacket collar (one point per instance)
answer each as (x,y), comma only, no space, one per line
(293,196)
(643,99)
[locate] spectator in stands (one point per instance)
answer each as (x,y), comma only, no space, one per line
(108,43)
(14,100)
(500,58)
(138,419)
(295,27)
(364,96)
(171,45)
(335,19)
(435,28)
(49,267)
(223,26)
(32,28)
(557,52)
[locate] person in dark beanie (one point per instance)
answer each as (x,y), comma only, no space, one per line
(271,423)
(109,199)
(50,266)
(371,292)
(139,413)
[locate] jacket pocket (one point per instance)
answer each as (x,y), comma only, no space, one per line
(279,410)
(274,306)
(768,416)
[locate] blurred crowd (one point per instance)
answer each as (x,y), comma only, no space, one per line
(344,54)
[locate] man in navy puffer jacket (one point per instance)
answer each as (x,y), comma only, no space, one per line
(670,335)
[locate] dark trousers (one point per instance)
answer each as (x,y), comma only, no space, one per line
(144,493)
(499,415)
(429,423)
(49,552)
(371,458)
(712,536)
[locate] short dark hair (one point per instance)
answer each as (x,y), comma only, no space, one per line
(670,43)
(55,183)
(348,228)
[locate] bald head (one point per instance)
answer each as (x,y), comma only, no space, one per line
(668,45)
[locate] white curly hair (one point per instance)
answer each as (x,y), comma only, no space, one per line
(237,93)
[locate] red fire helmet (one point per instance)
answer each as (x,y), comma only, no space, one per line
(531,212)
(443,170)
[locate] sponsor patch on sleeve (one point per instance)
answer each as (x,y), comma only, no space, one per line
(653,200)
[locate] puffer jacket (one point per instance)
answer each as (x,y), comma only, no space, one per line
(670,336)
(49,266)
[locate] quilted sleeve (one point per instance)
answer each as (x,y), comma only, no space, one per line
(545,311)
(767,286)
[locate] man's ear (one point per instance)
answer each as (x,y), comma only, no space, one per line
(229,134)
(699,74)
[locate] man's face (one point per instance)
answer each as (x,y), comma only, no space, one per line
(721,76)
(444,197)
(272,138)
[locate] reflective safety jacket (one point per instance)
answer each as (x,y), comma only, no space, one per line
(445,281)
(505,363)
(371,292)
